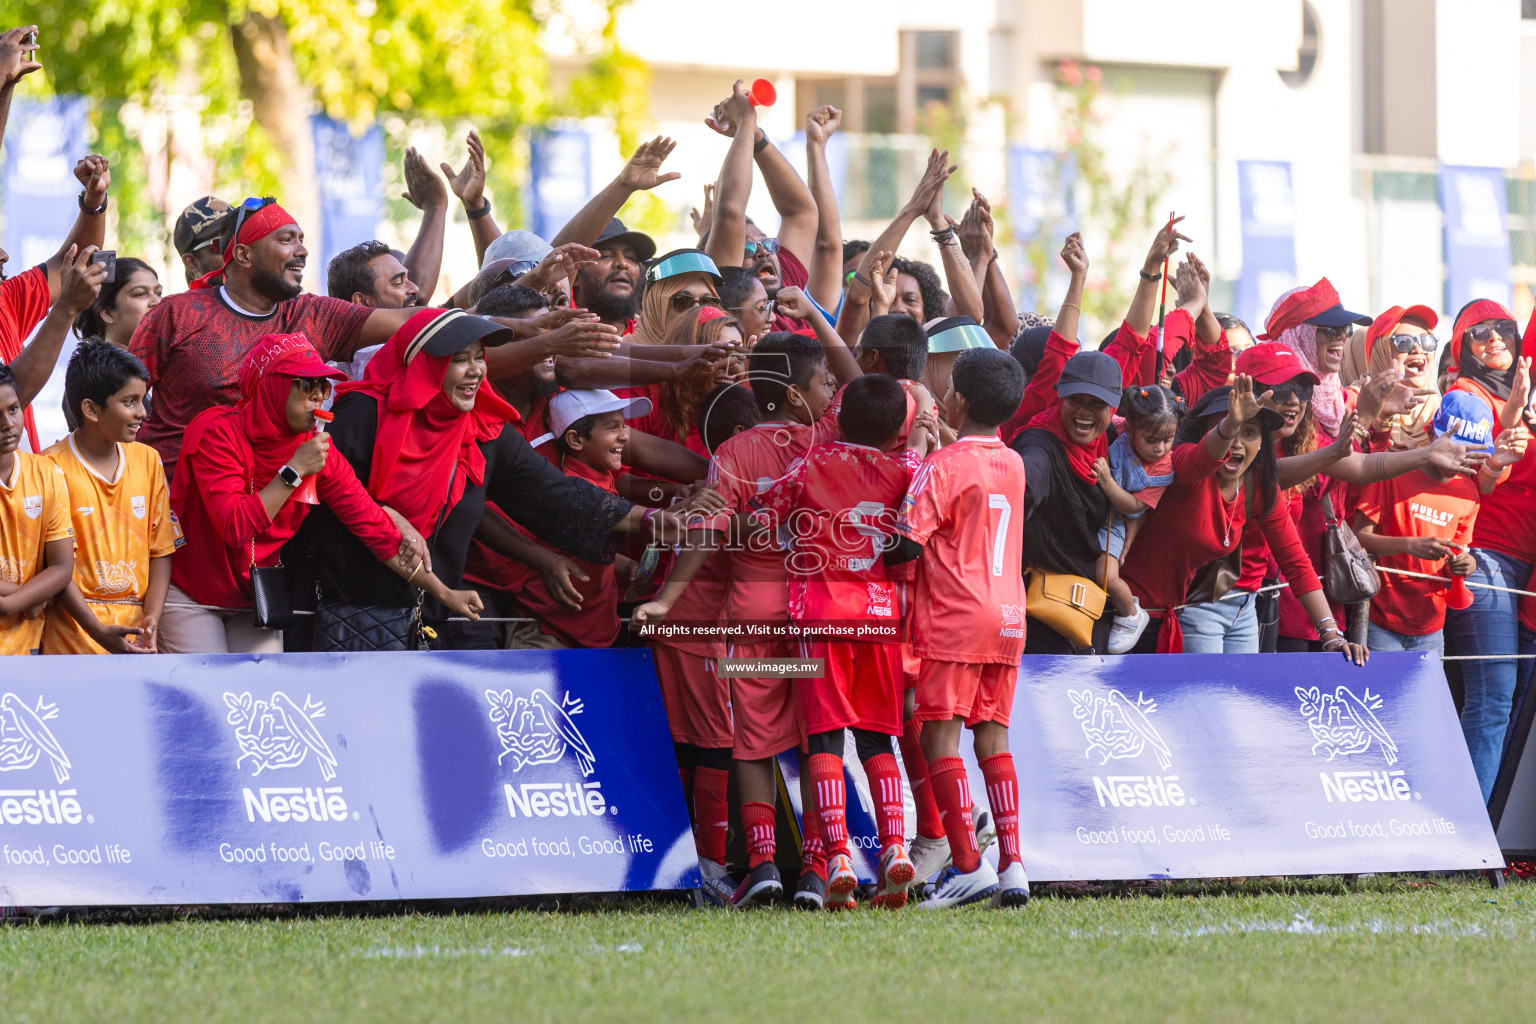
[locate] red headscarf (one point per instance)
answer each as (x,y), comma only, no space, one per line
(253,229)
(1497,383)
(1079,456)
(266,378)
(425,450)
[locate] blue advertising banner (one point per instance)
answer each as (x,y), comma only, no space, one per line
(239,779)
(1191,766)
(1267,214)
(43,141)
(1477,259)
(349,173)
(1040,198)
(559,177)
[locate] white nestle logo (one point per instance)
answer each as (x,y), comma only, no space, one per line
(1343,724)
(1117,728)
(278,733)
(538,730)
(25,736)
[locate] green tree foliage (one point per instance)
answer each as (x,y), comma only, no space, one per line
(255,69)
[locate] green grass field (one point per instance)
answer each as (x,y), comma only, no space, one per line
(1383,950)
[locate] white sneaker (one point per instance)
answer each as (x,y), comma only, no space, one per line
(1012,886)
(986,831)
(929,856)
(1128,629)
(957,890)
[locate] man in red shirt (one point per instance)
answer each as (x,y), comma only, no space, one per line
(963,517)
(839,503)
(193,344)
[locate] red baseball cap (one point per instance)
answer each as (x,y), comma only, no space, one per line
(289,354)
(1318,304)
(1273,363)
(1384,324)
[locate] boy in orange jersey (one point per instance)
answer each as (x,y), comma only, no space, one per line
(963,517)
(125,532)
(36,548)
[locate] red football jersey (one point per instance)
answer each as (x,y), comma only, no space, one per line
(839,504)
(966,507)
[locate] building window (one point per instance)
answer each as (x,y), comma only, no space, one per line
(936,51)
(1528,10)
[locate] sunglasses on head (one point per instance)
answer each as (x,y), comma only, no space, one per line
(1409,342)
(310,385)
(250,205)
(1483,333)
(766,247)
(682,302)
(1282,392)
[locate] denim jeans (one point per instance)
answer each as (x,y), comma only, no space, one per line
(1490,626)
(1227,626)
(1380,639)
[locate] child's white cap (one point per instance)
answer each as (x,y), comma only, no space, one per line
(569,406)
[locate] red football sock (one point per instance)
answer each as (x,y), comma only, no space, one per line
(890,806)
(1003,795)
(831,800)
(759,820)
(686,775)
(711,812)
(928,823)
(813,849)
(952,792)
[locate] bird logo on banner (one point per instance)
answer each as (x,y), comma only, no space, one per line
(1117,728)
(25,737)
(278,733)
(538,730)
(1344,724)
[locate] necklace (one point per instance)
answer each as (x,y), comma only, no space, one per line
(1226,539)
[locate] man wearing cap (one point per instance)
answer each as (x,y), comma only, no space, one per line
(197,236)
(610,287)
(193,343)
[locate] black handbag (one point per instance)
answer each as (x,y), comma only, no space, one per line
(271,591)
(1349,577)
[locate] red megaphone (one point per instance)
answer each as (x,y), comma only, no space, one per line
(1458,596)
(763,93)
(305,492)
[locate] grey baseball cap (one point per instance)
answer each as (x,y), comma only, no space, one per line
(517,244)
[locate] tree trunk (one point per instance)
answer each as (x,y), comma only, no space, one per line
(281,105)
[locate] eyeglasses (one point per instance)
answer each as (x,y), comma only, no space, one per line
(766,247)
(1282,392)
(1337,333)
(1483,333)
(682,302)
(311,385)
(249,206)
(764,308)
(1408,342)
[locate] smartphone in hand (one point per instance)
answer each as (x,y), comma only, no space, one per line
(109,257)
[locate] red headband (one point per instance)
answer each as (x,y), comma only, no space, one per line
(254,228)
(1299,308)
(1475,313)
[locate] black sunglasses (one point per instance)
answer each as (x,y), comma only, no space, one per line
(309,385)
(1483,333)
(682,302)
(1346,332)
(1282,392)
(251,205)
(1408,342)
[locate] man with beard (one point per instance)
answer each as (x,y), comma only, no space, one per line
(610,287)
(193,343)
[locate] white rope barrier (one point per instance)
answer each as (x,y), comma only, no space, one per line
(1447,581)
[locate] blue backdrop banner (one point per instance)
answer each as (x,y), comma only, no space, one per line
(1267,215)
(44,140)
(238,779)
(559,177)
(1477,260)
(1189,766)
(348,170)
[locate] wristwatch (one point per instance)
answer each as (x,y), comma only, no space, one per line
(290,476)
(91,210)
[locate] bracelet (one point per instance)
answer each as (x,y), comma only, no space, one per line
(761,144)
(91,211)
(1149,277)
(1080,309)
(477,214)
(413,573)
(1226,437)
(866,282)
(1330,622)
(943,236)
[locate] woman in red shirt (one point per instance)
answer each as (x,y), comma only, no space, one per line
(235,498)
(1224,476)
(1486,347)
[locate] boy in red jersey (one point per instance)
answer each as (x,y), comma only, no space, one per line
(961,516)
(794,389)
(839,504)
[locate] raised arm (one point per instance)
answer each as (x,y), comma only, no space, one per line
(826,266)
(90,228)
(735,118)
(641,172)
(799,220)
(15,64)
(1144,303)
(81,283)
(976,241)
(425,191)
(469,185)
(792,302)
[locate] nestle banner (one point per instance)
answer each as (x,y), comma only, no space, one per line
(1189,766)
(559,177)
(235,779)
(1477,260)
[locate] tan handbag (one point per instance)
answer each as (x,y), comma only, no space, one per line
(1068,604)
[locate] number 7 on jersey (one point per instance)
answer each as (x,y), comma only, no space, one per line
(1000,541)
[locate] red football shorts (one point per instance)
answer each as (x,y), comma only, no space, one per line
(698,702)
(763,709)
(976,693)
(861,687)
